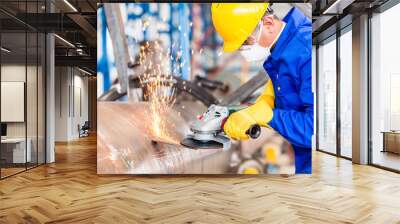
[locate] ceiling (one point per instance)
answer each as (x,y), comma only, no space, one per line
(328,16)
(74,22)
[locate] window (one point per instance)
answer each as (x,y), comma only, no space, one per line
(385,89)
(327,96)
(346,75)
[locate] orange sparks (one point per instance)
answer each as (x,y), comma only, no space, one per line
(158,89)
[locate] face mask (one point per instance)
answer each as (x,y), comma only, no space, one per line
(255,52)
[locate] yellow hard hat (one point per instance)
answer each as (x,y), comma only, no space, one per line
(236,21)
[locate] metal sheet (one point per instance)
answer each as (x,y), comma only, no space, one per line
(125,143)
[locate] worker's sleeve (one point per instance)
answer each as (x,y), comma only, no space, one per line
(297,126)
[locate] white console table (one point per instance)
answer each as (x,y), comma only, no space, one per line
(18,150)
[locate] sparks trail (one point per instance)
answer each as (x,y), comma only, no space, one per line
(158,88)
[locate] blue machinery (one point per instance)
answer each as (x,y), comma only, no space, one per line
(184,37)
(103,62)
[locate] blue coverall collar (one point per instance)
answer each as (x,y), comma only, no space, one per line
(293,20)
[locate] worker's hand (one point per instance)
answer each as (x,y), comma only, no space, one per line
(268,94)
(239,122)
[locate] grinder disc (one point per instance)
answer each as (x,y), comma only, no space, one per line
(197,144)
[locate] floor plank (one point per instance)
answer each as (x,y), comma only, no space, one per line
(70,191)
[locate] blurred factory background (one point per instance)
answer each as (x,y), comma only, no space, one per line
(183,29)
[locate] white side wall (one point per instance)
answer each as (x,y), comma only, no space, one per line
(61,103)
(71,105)
(314,88)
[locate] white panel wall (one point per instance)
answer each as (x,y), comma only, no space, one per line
(61,103)
(71,102)
(14,73)
(12,101)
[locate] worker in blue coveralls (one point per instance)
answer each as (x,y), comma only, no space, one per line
(287,103)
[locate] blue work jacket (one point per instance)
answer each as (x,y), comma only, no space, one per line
(289,67)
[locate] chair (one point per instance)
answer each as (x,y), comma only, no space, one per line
(84,129)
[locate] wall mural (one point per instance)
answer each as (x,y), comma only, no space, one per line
(200,88)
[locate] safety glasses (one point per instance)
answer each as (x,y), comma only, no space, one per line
(252,39)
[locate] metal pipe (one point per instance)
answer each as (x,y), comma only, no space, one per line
(120,46)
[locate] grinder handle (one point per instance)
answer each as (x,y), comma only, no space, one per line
(254,131)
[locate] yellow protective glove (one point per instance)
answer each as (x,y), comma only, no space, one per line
(268,94)
(259,113)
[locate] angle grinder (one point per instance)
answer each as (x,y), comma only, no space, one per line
(208,131)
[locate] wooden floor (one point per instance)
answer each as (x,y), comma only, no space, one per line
(70,191)
(5,172)
(387,159)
